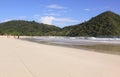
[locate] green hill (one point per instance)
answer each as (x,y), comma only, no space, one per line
(105,24)
(21,27)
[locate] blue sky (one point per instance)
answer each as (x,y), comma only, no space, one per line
(57,12)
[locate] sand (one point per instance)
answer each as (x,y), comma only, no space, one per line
(27,59)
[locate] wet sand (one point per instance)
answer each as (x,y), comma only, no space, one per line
(97,46)
(103,48)
(27,59)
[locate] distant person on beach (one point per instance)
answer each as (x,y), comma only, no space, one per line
(18,36)
(7,35)
(14,36)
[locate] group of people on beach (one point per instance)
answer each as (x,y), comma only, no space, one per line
(14,36)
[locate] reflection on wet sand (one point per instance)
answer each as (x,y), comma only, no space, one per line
(104,48)
(111,47)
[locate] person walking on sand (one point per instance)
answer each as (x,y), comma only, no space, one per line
(14,36)
(18,36)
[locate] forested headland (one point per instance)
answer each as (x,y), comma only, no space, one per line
(104,24)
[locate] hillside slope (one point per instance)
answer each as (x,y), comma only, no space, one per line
(105,24)
(26,28)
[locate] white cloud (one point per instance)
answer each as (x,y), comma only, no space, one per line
(87,9)
(6,20)
(55,6)
(52,14)
(65,20)
(22,17)
(99,8)
(51,19)
(104,8)
(16,18)
(36,16)
(47,19)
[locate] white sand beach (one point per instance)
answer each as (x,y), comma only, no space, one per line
(27,59)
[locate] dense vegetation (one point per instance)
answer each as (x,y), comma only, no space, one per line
(30,28)
(105,24)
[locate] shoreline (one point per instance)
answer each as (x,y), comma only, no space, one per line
(97,47)
(112,46)
(27,59)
